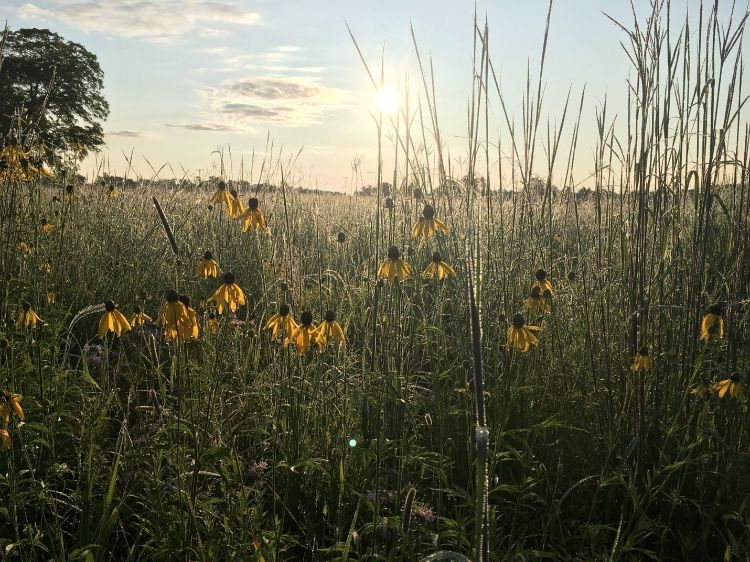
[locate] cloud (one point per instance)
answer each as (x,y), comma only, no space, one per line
(124,133)
(216,128)
(153,20)
(251,110)
(271,88)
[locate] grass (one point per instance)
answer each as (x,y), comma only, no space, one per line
(426,432)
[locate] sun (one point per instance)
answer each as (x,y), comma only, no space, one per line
(386,99)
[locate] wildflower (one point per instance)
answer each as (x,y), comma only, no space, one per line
(423,511)
(223,195)
(207,266)
(47,227)
(10,403)
(259,468)
(70,192)
(24,247)
(228,294)
(111,193)
(341,238)
(253,216)
(172,315)
(542,282)
(428,225)
(572,276)
(329,328)
(27,317)
(45,268)
(139,317)
(4,440)
(188,327)
(642,361)
(438,267)
(394,268)
(237,209)
(112,321)
(388,203)
(520,335)
(213,323)
(712,326)
(281,323)
(535,303)
(416,194)
(729,387)
(93,354)
(51,297)
(304,334)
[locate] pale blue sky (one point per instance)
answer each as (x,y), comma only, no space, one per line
(184,77)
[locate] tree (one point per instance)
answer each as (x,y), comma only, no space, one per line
(51,91)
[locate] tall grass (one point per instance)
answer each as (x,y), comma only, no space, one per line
(425,435)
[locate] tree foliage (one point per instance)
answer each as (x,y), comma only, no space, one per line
(51,91)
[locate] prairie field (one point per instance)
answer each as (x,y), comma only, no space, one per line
(571,389)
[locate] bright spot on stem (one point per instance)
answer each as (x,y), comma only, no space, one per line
(352,442)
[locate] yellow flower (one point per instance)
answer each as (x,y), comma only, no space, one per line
(729,387)
(712,326)
(228,294)
(51,297)
(24,247)
(139,317)
(253,216)
(4,440)
(70,193)
(27,318)
(535,303)
(543,283)
(112,321)
(47,227)
(10,402)
(642,361)
(213,323)
(329,328)
(304,334)
(207,266)
(520,335)
(229,198)
(394,268)
(111,193)
(281,324)
(440,268)
(188,327)
(428,225)
(173,314)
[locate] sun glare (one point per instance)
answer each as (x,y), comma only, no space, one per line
(386,99)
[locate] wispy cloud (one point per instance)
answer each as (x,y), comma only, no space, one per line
(125,133)
(290,101)
(206,127)
(152,20)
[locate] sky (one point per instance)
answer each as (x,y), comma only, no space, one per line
(192,82)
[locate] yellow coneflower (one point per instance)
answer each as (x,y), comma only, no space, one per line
(173,314)
(4,440)
(237,209)
(712,326)
(111,193)
(520,335)
(27,318)
(213,323)
(253,216)
(189,326)
(542,282)
(281,324)
(223,196)
(139,317)
(45,268)
(304,334)
(440,268)
(428,225)
(416,195)
(10,403)
(228,294)
(70,193)
(642,361)
(24,247)
(47,227)
(329,328)
(207,266)
(112,321)
(394,267)
(729,387)
(535,303)
(51,297)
